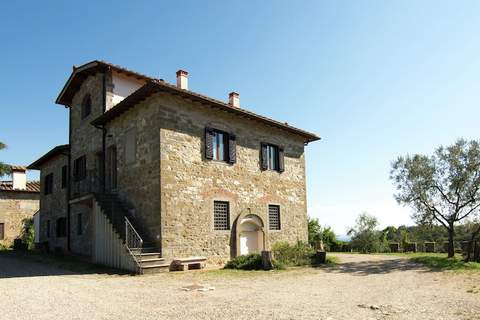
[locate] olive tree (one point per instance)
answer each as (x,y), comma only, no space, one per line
(442,188)
(4,168)
(366,238)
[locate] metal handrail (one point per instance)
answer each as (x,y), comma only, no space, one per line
(132,241)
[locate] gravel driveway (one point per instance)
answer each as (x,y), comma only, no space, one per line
(360,287)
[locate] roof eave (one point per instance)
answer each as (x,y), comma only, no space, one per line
(155,86)
(60,99)
(58,150)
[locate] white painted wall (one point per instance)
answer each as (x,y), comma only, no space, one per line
(123,86)
(19,180)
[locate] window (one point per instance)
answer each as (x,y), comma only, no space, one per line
(64,176)
(220,146)
(61,227)
(48,229)
(2,231)
(86,106)
(79,224)
(80,168)
(221,215)
(272,157)
(48,184)
(273,217)
(130,146)
(272,154)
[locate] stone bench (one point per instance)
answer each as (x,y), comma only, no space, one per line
(182,264)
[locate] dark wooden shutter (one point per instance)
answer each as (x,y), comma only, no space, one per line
(232,148)
(209,143)
(263,156)
(281,159)
(75,170)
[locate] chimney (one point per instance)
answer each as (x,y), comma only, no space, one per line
(234,99)
(182,79)
(19,178)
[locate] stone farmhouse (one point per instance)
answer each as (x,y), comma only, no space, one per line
(19,200)
(154,172)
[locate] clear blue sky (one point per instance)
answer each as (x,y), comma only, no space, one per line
(375,79)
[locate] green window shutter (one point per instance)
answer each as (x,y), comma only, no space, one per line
(281,159)
(232,148)
(263,156)
(208,143)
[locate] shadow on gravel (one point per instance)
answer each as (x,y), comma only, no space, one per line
(365,268)
(32,264)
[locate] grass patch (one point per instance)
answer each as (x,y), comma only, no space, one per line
(441,262)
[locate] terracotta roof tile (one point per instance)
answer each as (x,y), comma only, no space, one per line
(18,168)
(32,186)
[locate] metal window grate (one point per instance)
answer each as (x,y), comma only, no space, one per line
(221,215)
(274,217)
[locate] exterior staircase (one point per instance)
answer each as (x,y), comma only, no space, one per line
(145,254)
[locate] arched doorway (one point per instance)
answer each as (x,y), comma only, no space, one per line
(250,234)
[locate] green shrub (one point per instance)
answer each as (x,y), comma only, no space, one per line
(252,261)
(28,233)
(300,254)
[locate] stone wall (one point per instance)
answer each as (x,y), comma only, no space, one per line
(86,139)
(14,208)
(190,183)
(138,181)
(54,205)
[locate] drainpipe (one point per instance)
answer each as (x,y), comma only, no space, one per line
(69,157)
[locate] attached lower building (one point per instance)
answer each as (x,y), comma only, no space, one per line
(156,168)
(19,201)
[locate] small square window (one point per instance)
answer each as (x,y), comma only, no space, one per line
(273,217)
(221,215)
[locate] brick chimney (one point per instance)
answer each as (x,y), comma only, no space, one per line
(182,79)
(19,177)
(234,99)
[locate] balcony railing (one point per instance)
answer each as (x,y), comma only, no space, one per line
(90,184)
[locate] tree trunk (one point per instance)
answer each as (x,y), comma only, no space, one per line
(451,236)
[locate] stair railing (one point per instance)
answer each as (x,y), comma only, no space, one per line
(133,241)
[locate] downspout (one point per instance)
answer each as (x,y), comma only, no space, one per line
(69,157)
(104,133)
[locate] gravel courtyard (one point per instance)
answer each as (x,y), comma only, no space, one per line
(360,287)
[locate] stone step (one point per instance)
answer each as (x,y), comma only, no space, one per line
(156,268)
(152,262)
(150,255)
